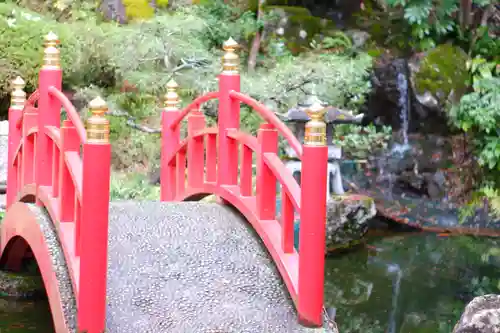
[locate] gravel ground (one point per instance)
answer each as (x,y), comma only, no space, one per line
(191,267)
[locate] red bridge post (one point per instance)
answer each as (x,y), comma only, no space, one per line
(18,99)
(229,116)
(94,222)
(49,113)
(313,218)
(170,139)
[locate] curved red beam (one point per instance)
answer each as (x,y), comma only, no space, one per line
(195,104)
(32,131)
(274,163)
(271,118)
(21,222)
(183,144)
(71,111)
(30,103)
(54,134)
(33,98)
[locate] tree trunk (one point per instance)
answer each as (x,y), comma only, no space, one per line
(254,51)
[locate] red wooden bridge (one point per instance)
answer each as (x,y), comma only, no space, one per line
(59,203)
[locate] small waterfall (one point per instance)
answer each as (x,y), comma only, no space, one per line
(402,85)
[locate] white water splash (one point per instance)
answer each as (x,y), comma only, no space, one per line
(402,85)
(396,285)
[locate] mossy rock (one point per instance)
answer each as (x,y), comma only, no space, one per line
(443,73)
(21,285)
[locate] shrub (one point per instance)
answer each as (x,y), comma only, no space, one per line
(83,51)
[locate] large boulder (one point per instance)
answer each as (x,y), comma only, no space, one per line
(425,84)
(347,219)
(482,315)
(436,83)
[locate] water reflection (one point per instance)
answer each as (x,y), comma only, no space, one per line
(25,316)
(410,284)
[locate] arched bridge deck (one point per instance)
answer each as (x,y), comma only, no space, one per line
(192,267)
(168,266)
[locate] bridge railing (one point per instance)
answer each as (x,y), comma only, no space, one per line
(67,170)
(219,161)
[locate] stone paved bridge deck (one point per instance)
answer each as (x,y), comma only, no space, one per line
(188,267)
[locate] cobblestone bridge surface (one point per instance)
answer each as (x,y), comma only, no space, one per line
(190,267)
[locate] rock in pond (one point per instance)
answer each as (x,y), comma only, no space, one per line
(482,315)
(347,219)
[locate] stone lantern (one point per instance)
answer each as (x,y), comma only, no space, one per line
(296,118)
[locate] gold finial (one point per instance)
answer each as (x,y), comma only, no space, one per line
(51,54)
(18,95)
(230,60)
(171,99)
(97,124)
(315,132)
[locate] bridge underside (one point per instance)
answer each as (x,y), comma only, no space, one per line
(191,267)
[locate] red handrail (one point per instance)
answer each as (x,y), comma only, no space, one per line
(272,160)
(271,118)
(71,111)
(196,103)
(30,102)
(33,98)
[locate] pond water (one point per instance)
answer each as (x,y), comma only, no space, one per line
(410,283)
(403,283)
(25,316)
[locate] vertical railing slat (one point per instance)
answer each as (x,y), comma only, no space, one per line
(211,158)
(196,158)
(70,142)
(246,171)
(266,181)
(287,222)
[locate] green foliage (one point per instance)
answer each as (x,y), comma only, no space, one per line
(147,54)
(132,187)
(478,113)
(222,21)
(338,80)
(21,40)
(361,142)
(337,40)
(431,22)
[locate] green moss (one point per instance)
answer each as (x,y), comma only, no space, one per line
(442,71)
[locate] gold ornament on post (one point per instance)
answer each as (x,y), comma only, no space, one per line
(315,132)
(97,124)
(51,54)
(171,99)
(18,96)
(230,60)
